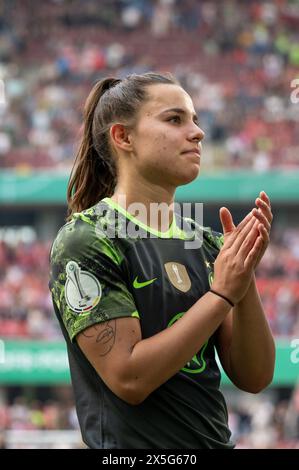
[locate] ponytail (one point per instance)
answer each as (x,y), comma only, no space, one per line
(93,176)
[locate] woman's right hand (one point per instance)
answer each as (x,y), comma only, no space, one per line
(234,265)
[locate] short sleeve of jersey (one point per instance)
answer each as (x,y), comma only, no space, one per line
(86,280)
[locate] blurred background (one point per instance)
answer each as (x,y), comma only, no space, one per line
(238,60)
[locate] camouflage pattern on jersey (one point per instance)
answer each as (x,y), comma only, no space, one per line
(215,238)
(86,280)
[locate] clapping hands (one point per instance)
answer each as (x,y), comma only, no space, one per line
(263,214)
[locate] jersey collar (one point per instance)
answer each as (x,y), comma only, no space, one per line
(173,232)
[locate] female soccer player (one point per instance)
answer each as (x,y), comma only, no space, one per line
(141,312)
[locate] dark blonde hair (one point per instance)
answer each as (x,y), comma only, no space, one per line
(111,100)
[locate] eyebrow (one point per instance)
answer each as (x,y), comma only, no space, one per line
(179,111)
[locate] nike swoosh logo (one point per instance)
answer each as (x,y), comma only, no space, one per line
(138,285)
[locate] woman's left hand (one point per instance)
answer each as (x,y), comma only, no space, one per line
(264,215)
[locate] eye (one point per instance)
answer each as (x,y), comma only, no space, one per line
(176,119)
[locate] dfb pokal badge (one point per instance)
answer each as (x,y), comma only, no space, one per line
(82,289)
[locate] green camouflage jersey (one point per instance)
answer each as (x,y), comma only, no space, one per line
(104,265)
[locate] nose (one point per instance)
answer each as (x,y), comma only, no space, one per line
(196,133)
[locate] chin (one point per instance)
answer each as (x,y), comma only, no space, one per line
(190,176)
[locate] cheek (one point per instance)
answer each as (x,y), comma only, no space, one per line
(156,148)
(164,146)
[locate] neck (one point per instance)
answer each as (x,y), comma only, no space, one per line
(149,196)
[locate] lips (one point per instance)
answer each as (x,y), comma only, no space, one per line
(195,150)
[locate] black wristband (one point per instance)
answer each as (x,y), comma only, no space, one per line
(223,297)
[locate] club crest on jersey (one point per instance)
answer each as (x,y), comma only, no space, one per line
(178,276)
(82,289)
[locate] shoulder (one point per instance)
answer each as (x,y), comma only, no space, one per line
(214,238)
(86,236)
(207,234)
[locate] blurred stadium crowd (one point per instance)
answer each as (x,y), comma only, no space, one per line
(22,414)
(263,422)
(236,58)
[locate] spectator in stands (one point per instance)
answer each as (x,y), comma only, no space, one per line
(61,50)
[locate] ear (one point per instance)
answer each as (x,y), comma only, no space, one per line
(121,137)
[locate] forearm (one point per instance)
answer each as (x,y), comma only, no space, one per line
(252,349)
(154,360)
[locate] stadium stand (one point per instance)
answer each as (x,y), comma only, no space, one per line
(238,70)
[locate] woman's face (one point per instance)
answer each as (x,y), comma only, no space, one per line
(166,138)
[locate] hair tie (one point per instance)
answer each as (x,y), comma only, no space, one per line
(223,297)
